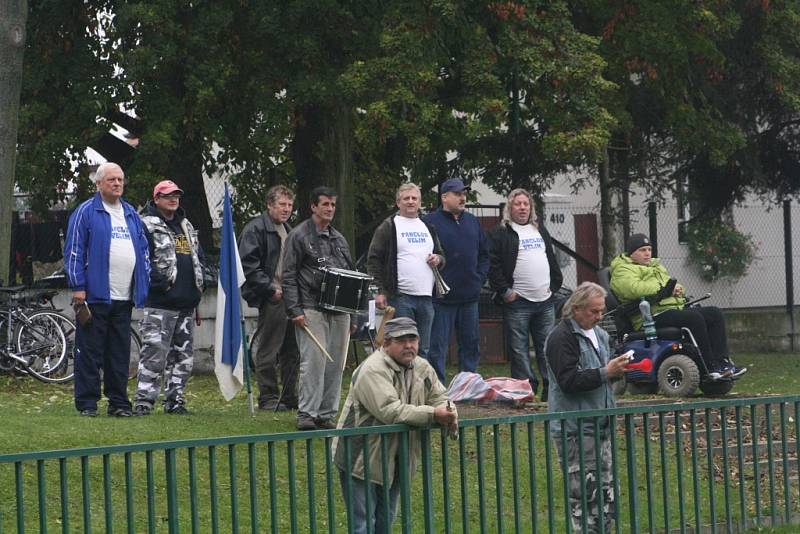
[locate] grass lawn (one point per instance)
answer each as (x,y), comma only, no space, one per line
(41,417)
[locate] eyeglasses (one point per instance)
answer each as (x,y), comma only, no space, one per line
(170,196)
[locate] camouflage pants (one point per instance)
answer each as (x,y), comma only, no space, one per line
(166,350)
(596,487)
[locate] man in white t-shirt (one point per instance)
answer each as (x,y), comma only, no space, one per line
(524,274)
(402,255)
(108,269)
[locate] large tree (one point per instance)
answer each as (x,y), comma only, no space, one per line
(12,40)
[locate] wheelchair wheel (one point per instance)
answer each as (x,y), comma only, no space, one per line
(716,389)
(133,362)
(678,376)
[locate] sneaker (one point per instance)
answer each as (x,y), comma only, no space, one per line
(119,412)
(719,374)
(736,372)
(180,409)
(141,410)
(305,422)
(326,424)
(272,405)
(89,412)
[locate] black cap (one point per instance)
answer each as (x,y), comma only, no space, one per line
(635,242)
(454,185)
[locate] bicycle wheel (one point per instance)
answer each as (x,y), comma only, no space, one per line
(66,371)
(43,346)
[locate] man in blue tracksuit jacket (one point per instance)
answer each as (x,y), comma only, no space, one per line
(108,269)
(467,251)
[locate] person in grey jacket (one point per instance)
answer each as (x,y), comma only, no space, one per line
(260,249)
(312,245)
(580,368)
(403,253)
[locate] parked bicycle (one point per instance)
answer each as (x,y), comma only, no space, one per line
(31,342)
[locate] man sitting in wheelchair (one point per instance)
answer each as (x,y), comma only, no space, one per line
(636,274)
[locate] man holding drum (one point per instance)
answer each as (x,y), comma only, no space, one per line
(402,255)
(310,248)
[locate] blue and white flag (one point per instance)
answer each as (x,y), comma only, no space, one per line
(228,353)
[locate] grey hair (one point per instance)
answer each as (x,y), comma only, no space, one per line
(581,297)
(277,191)
(405,187)
(103,168)
(510,198)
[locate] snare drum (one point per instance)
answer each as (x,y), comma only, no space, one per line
(344,291)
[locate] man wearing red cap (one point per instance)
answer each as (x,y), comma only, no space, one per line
(176,284)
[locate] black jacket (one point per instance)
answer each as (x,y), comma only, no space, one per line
(306,252)
(259,250)
(503,259)
(382,256)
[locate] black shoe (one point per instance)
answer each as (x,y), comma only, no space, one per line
(141,410)
(119,412)
(89,412)
(305,422)
(326,424)
(272,405)
(180,409)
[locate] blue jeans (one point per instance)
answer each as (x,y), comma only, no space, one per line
(104,343)
(465,319)
(376,514)
(520,319)
(419,308)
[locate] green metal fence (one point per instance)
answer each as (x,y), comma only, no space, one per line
(707,466)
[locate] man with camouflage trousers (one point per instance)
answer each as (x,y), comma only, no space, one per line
(580,370)
(176,284)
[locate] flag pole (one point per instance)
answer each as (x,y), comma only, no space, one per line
(247,360)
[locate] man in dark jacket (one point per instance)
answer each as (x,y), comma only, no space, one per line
(176,285)
(260,249)
(580,368)
(524,274)
(312,245)
(467,251)
(402,256)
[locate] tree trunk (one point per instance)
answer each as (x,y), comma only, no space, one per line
(322,153)
(607,220)
(13,14)
(186,170)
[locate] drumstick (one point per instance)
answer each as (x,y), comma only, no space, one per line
(388,313)
(316,341)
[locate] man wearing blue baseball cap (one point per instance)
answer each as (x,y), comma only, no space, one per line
(467,251)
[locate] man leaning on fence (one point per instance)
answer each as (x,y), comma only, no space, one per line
(176,285)
(108,269)
(580,369)
(394,385)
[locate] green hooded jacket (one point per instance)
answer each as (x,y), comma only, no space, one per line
(631,281)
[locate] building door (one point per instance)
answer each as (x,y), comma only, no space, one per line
(587,245)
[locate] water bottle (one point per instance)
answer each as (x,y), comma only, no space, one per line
(647,322)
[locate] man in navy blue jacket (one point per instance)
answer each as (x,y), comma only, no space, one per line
(108,269)
(467,251)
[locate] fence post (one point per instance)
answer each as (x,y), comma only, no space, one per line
(787,253)
(652,215)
